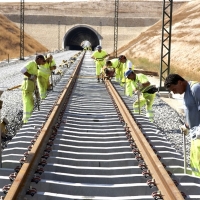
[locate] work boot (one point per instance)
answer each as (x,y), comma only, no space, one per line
(6,137)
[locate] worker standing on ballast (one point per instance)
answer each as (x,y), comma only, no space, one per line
(52,67)
(44,73)
(99,56)
(29,84)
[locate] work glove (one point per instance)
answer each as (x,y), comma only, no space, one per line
(195,132)
(184,129)
(33,77)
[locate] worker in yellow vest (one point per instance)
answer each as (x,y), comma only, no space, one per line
(127,65)
(30,71)
(145,91)
(118,66)
(99,56)
(44,72)
(52,67)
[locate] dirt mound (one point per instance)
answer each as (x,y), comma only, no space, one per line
(10,41)
(185,46)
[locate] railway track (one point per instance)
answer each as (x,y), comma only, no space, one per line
(84,143)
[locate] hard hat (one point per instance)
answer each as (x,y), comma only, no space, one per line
(127,73)
(99,47)
(49,55)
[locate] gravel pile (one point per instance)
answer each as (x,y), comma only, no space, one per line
(167,121)
(166,118)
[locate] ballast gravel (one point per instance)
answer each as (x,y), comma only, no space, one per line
(165,118)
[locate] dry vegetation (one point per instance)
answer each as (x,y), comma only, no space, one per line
(145,50)
(10,41)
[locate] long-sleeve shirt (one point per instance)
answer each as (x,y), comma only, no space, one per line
(191,102)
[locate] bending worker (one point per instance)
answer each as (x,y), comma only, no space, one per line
(127,65)
(144,90)
(99,55)
(191,101)
(28,87)
(44,72)
(117,65)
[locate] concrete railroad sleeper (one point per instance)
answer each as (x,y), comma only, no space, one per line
(85,143)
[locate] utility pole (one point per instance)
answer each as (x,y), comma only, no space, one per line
(22,30)
(58,35)
(116,27)
(166,40)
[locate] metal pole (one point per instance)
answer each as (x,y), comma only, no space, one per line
(166,41)
(22,30)
(1,103)
(184,152)
(52,80)
(138,101)
(184,148)
(125,87)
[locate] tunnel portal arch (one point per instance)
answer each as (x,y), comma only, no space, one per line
(76,35)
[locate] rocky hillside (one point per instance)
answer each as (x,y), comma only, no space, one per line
(10,41)
(185,32)
(185,46)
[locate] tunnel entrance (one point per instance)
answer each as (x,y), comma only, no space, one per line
(75,36)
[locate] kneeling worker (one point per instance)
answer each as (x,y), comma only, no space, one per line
(142,86)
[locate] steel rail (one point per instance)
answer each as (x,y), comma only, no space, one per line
(164,183)
(22,181)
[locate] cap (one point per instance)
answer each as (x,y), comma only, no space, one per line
(48,55)
(128,73)
(121,57)
(39,57)
(99,47)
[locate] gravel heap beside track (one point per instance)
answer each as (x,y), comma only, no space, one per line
(165,117)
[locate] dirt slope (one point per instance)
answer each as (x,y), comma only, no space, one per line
(10,41)
(185,46)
